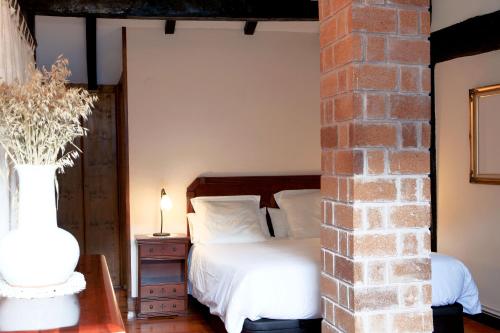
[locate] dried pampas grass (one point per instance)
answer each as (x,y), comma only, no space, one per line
(40,119)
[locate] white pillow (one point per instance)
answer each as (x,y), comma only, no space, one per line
(227,222)
(199,202)
(303,213)
(287,193)
(279,222)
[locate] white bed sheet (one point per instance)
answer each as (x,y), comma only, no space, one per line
(276,279)
(452,282)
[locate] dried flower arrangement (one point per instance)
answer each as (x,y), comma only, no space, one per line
(39,118)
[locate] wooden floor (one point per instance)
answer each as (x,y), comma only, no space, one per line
(195,323)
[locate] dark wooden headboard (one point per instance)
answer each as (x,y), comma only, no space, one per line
(265,186)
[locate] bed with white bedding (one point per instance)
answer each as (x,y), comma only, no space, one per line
(276,279)
(239,276)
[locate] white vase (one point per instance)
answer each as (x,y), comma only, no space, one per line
(37,253)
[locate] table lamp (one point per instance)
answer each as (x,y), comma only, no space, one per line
(165,204)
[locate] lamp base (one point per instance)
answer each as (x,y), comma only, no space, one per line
(161,234)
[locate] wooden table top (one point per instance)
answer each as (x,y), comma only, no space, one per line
(93,310)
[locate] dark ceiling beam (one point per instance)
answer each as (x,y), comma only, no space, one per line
(169,27)
(249,28)
(473,36)
(258,10)
(91,45)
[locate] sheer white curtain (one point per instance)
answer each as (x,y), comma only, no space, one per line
(16,53)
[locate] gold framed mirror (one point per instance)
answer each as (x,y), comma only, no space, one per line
(485,134)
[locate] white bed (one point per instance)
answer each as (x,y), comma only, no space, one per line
(276,279)
(452,283)
(279,279)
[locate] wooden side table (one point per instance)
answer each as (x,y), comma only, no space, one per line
(162,266)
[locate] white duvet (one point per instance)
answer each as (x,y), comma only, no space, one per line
(276,279)
(279,279)
(452,282)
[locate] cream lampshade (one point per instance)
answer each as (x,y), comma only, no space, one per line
(165,204)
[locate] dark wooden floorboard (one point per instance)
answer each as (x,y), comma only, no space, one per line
(195,323)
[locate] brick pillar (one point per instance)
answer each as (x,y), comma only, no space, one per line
(375,111)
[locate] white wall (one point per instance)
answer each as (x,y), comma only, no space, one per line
(206,100)
(216,102)
(449,12)
(468,214)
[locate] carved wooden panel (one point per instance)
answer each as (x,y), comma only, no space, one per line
(88,205)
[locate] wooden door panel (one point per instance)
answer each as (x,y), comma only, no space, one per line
(100,183)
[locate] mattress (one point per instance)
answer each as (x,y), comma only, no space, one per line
(279,279)
(276,279)
(452,283)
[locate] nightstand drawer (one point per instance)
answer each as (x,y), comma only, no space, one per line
(161,250)
(164,290)
(171,305)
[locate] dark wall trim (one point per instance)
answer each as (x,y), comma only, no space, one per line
(259,10)
(486,318)
(474,36)
(249,28)
(91,46)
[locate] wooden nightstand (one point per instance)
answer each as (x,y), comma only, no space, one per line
(162,276)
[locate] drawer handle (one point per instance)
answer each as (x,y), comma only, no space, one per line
(151,307)
(174,290)
(174,306)
(151,291)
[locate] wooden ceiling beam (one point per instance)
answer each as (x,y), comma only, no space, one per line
(243,10)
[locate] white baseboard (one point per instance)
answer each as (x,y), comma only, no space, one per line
(491,311)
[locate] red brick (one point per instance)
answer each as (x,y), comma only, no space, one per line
(410,79)
(374,19)
(409,162)
(376,162)
(327,162)
(347,50)
(344,135)
(376,272)
(410,107)
(344,320)
(348,162)
(409,51)
(375,48)
(329,137)
(375,218)
(343,296)
(327,262)
(426,80)
(326,59)
(373,135)
(408,22)
(375,245)
(327,112)
(375,298)
(426,135)
(410,244)
(373,191)
(380,77)
(420,3)
(328,84)
(344,216)
(409,189)
(344,269)
(329,186)
(329,287)
(375,106)
(348,106)
(327,31)
(409,136)
(410,216)
(410,295)
(412,322)
(425,23)
(329,239)
(409,270)
(324,9)
(426,189)
(327,216)
(342,22)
